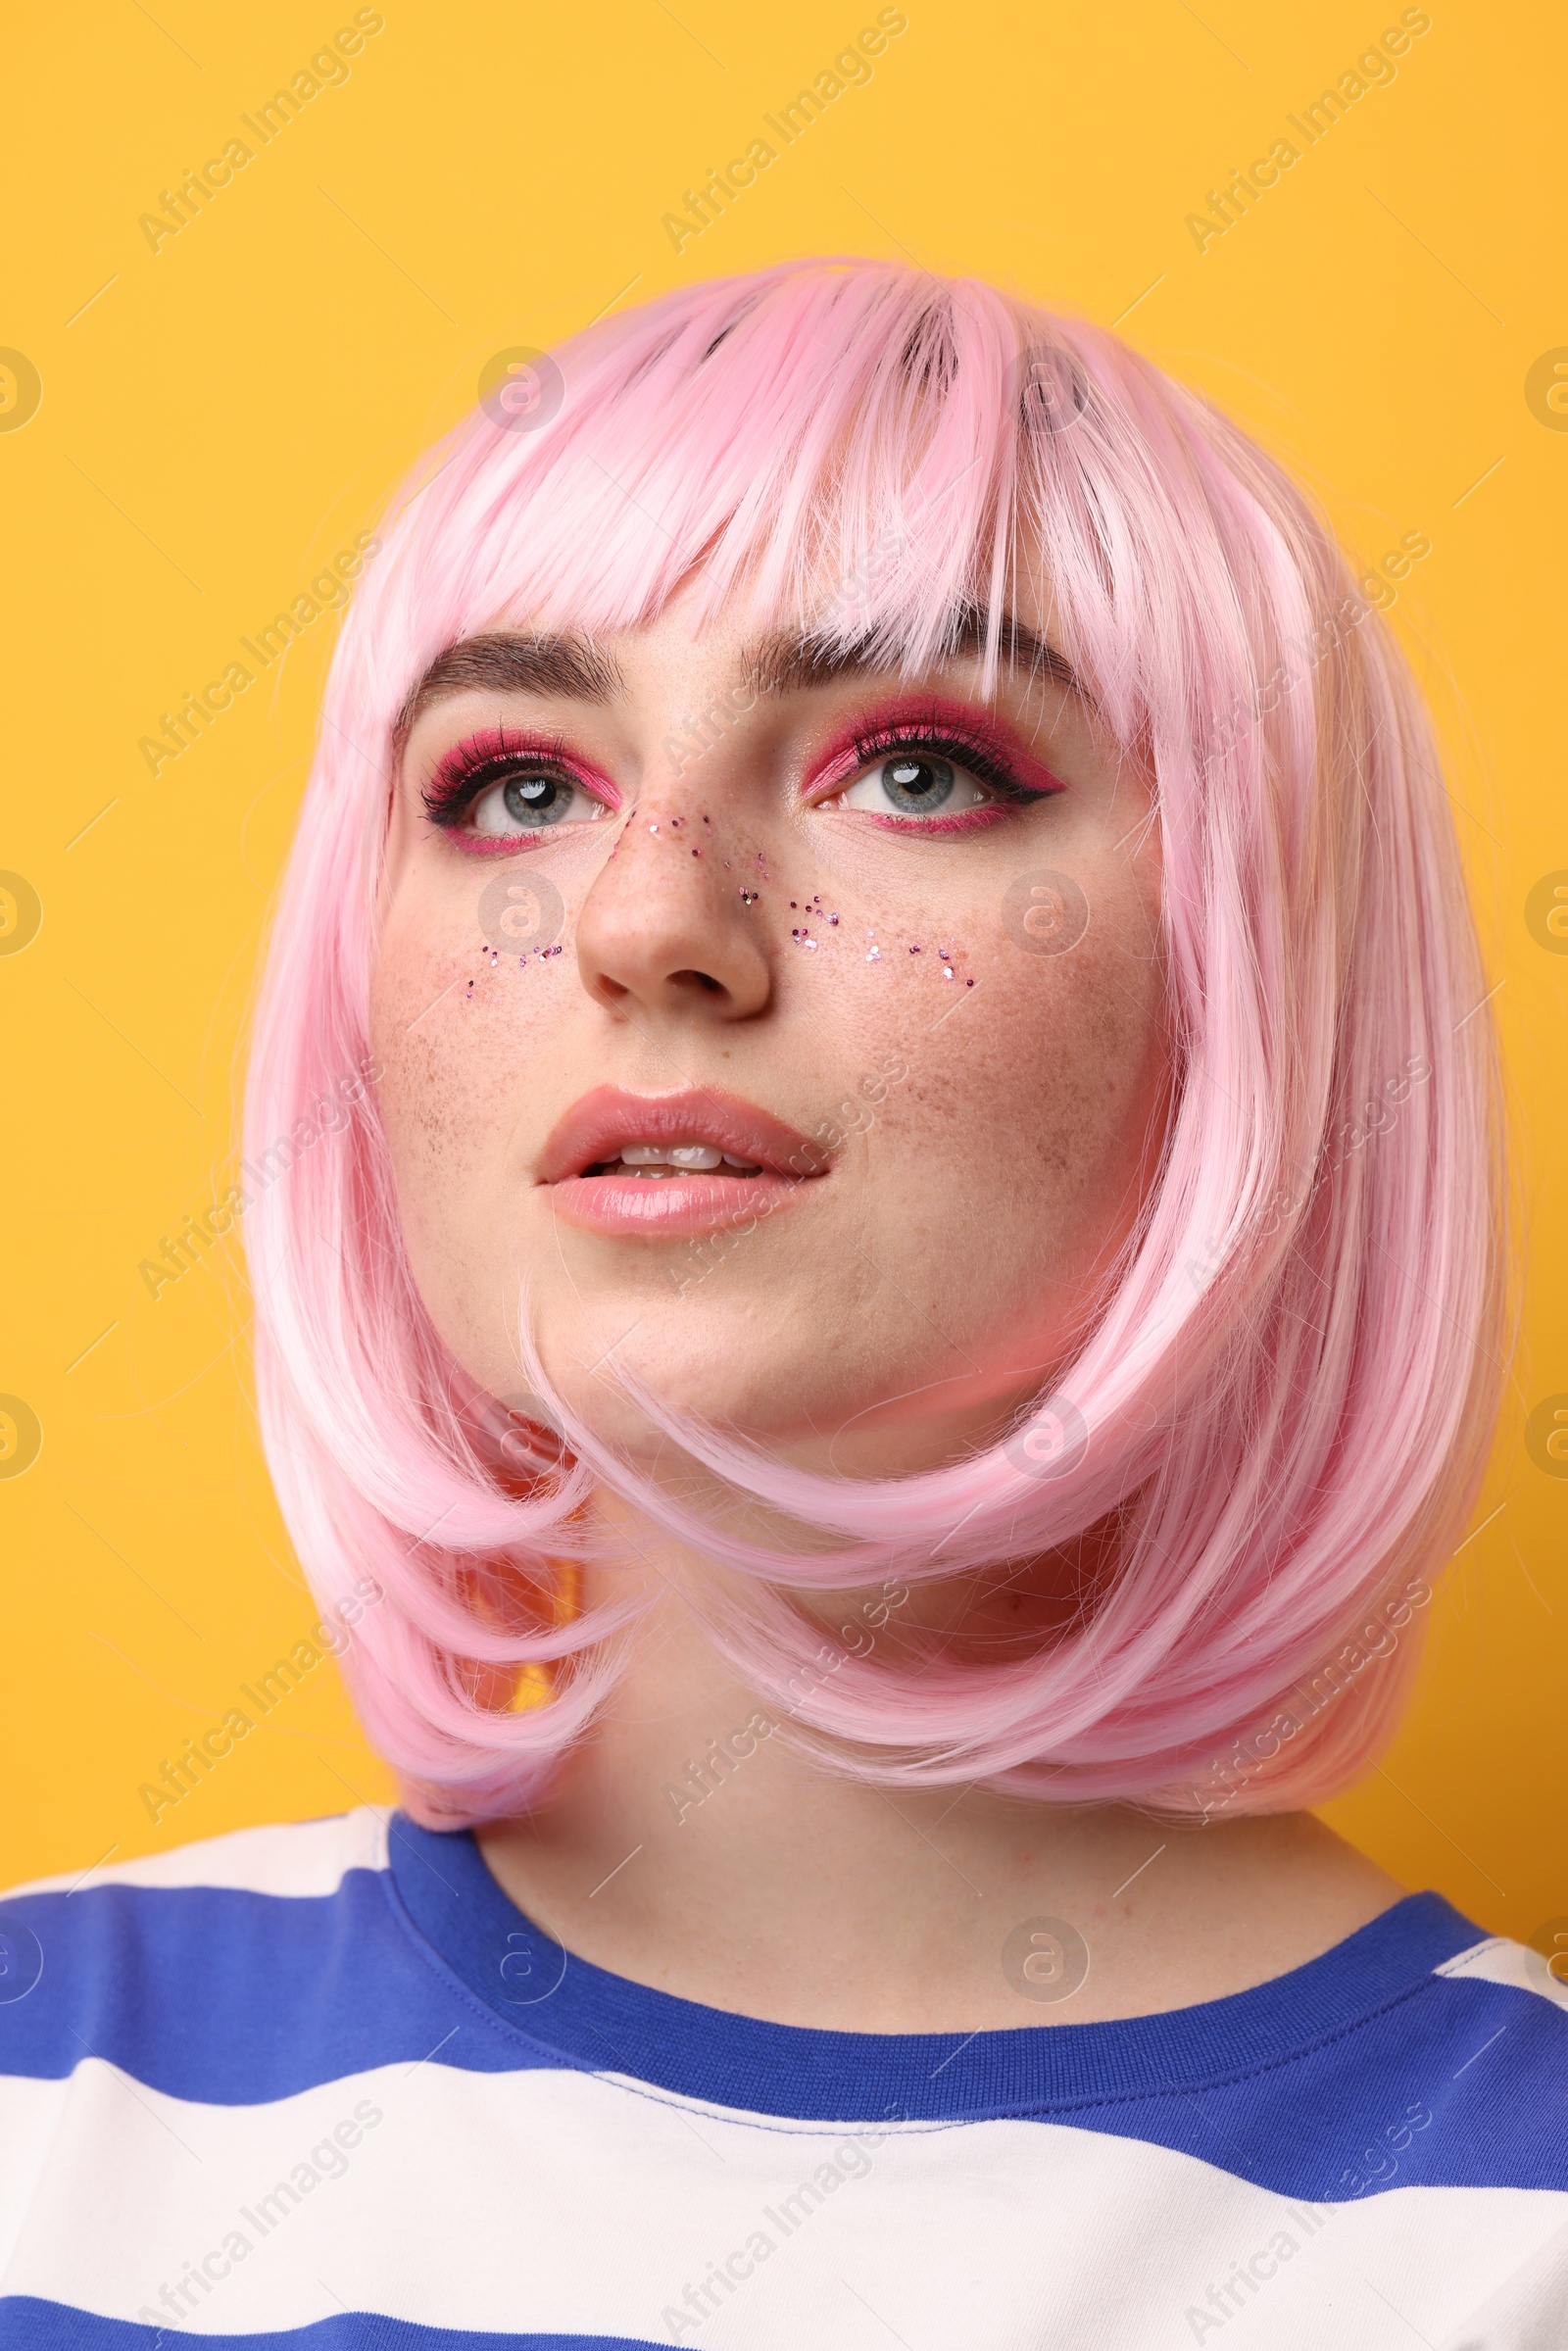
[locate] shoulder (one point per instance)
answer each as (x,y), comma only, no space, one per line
(300,1858)
(1465,2085)
(228,1967)
(1496,1959)
(1503,2002)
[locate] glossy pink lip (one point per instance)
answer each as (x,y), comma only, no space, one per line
(597,1127)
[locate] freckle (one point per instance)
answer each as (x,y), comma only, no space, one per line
(914,951)
(968,983)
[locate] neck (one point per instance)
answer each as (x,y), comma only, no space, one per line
(688,1847)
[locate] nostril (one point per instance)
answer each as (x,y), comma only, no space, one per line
(702,979)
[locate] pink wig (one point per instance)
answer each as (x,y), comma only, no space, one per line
(1289,1395)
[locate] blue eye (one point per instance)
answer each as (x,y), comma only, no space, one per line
(913,783)
(529,801)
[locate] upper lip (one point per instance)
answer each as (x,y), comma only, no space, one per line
(601,1123)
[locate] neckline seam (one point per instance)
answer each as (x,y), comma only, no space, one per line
(436,1962)
(507,2030)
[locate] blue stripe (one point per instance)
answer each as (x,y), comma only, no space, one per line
(238,1998)
(1310,2084)
(1414,2097)
(29,2325)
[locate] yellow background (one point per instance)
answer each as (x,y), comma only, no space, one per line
(218,417)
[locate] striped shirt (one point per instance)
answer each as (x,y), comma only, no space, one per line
(326,2085)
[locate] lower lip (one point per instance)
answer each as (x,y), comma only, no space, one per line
(658,1206)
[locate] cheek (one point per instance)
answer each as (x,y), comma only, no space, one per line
(452,1032)
(1023,1132)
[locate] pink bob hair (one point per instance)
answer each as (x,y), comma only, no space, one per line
(1284,1405)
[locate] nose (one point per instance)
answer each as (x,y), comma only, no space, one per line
(666,931)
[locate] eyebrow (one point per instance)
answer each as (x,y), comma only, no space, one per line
(569,664)
(787,665)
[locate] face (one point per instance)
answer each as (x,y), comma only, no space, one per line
(806,1065)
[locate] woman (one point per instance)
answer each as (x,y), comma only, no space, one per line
(908,1301)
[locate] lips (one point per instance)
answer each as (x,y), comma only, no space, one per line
(696,1159)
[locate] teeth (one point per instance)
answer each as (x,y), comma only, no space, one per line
(680,1154)
(691,1158)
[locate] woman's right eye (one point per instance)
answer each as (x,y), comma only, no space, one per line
(529,801)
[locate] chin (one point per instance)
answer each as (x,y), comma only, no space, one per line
(728,1366)
(781,1373)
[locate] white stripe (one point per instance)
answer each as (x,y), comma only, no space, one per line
(562,2203)
(296,1857)
(1499,1961)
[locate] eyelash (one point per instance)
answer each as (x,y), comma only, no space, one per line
(978,758)
(982,764)
(472,767)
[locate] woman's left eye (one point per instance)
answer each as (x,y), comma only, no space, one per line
(528,801)
(913,783)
